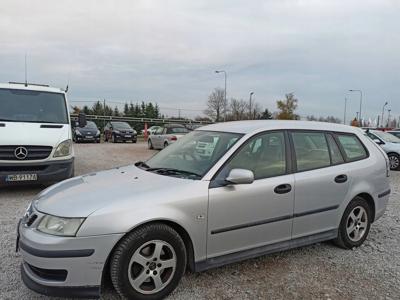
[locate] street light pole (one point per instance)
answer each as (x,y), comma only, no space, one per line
(360,101)
(223,71)
(383,112)
(389,110)
(250,111)
(345,107)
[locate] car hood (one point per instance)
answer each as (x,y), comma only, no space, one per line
(83,195)
(21,133)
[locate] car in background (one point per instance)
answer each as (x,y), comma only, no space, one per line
(396,133)
(193,126)
(389,143)
(166,135)
(151,130)
(89,133)
(266,186)
(116,131)
(35,134)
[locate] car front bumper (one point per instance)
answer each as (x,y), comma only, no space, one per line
(126,138)
(82,138)
(48,171)
(63,266)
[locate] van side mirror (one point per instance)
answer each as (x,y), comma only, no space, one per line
(378,141)
(240,176)
(82,120)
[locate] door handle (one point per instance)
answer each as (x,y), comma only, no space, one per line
(283,188)
(341,178)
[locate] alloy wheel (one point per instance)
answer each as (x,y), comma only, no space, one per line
(152,267)
(394,162)
(357,223)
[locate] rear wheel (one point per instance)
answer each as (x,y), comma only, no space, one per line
(394,161)
(165,145)
(148,263)
(355,224)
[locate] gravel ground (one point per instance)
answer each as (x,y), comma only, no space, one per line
(320,271)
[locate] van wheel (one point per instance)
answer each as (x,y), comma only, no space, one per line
(148,263)
(150,144)
(394,161)
(355,224)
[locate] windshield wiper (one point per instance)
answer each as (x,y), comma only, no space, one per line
(142,164)
(173,171)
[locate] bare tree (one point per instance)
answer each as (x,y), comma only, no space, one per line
(216,105)
(238,109)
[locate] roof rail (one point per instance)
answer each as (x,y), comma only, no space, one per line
(26,84)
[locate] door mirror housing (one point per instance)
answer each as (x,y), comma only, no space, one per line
(240,176)
(82,120)
(378,141)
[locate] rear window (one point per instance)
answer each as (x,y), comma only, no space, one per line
(352,147)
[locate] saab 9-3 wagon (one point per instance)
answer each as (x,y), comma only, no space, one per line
(260,187)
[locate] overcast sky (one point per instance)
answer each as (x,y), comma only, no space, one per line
(167,51)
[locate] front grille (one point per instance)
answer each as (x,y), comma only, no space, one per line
(49,274)
(32,152)
(22,168)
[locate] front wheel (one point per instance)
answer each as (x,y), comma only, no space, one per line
(148,263)
(355,224)
(394,161)
(150,144)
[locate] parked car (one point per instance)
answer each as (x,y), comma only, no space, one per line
(166,135)
(119,131)
(151,130)
(389,143)
(35,134)
(267,186)
(193,126)
(88,133)
(396,133)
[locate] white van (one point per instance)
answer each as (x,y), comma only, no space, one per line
(35,134)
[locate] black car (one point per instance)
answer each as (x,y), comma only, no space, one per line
(119,131)
(89,133)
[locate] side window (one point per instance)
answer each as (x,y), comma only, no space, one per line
(311,150)
(336,156)
(352,147)
(159,130)
(263,154)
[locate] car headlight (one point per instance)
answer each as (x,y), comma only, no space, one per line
(77,132)
(60,226)
(63,149)
(117,131)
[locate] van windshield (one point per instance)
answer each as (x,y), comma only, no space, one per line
(32,106)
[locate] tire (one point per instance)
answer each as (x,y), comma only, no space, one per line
(113,139)
(150,144)
(394,161)
(133,280)
(165,145)
(134,141)
(357,215)
(105,138)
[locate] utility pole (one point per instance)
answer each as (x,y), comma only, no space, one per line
(250,108)
(345,107)
(383,112)
(388,123)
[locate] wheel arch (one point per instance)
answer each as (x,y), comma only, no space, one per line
(187,240)
(370,201)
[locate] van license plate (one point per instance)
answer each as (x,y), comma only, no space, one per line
(22,177)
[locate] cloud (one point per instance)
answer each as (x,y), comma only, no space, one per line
(166,51)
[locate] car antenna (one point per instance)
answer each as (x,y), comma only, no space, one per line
(26,72)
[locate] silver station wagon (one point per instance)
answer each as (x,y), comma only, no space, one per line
(223,193)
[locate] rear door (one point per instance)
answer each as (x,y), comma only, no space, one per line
(246,216)
(321,182)
(156,138)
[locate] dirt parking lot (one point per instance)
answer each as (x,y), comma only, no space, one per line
(320,271)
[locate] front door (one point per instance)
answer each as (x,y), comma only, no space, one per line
(246,216)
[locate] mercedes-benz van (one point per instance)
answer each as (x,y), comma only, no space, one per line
(35,134)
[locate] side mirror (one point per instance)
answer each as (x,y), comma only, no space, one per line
(240,176)
(378,141)
(82,120)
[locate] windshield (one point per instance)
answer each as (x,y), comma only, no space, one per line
(90,125)
(387,137)
(194,153)
(32,106)
(121,125)
(178,130)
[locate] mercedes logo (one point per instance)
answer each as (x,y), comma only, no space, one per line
(21,152)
